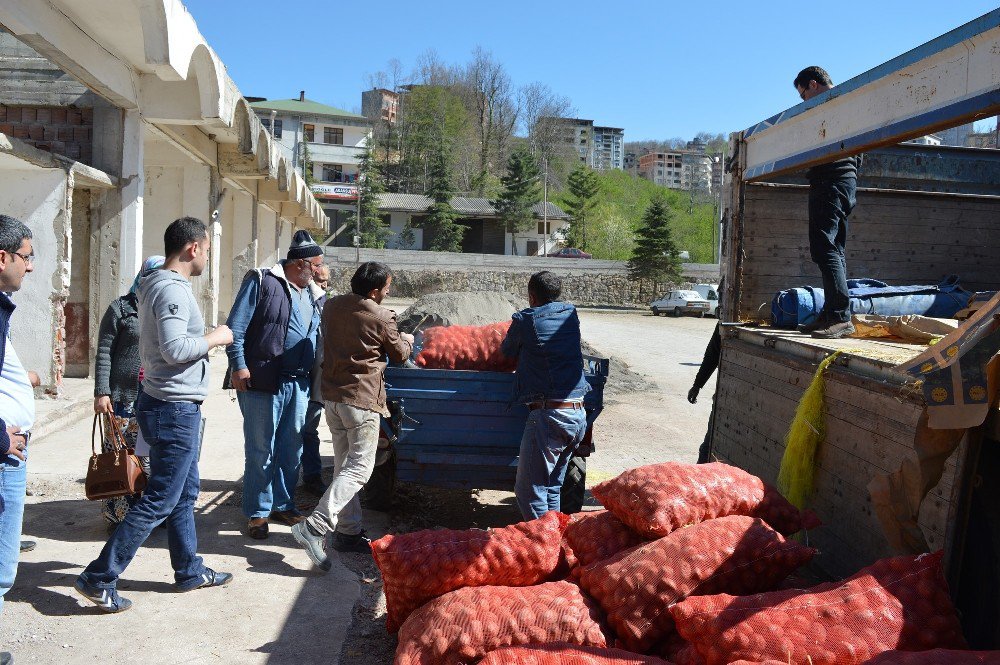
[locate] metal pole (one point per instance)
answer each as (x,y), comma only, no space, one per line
(545,208)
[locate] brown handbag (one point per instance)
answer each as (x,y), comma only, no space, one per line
(116,473)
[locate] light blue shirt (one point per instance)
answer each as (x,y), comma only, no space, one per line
(17,397)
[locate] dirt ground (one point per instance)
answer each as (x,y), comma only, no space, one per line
(279,609)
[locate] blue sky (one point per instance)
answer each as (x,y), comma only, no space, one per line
(658,68)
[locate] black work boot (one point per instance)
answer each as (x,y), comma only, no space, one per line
(359,542)
(819,322)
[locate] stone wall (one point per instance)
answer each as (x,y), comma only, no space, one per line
(597,283)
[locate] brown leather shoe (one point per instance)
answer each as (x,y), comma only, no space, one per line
(257,528)
(287,517)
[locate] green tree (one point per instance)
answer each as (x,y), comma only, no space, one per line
(654,255)
(519,194)
(372,228)
(446,235)
(406,239)
(583,188)
(307,164)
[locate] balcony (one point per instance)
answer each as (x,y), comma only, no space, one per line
(335,154)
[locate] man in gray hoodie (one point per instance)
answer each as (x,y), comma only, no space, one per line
(174,349)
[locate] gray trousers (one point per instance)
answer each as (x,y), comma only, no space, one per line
(355,442)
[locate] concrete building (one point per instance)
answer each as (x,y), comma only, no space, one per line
(930,139)
(677,169)
(718,173)
(956,135)
(118,118)
(336,140)
(608,151)
(380,103)
(485,233)
(631,163)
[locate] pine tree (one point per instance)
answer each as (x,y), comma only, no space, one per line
(583,186)
(307,164)
(446,235)
(373,230)
(519,195)
(655,255)
(406,239)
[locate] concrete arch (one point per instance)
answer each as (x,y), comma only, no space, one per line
(155,31)
(207,70)
(283,169)
(242,122)
(265,152)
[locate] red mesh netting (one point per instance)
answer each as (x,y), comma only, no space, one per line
(422,565)
(566,654)
(936,657)
(466,347)
(596,535)
(465,625)
(658,498)
(782,515)
(901,602)
(734,554)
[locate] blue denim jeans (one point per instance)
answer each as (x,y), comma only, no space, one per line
(550,437)
(830,203)
(13,476)
(312,463)
(272,439)
(172,430)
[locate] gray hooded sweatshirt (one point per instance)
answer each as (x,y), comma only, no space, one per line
(172,346)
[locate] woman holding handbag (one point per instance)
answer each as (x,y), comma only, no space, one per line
(116,372)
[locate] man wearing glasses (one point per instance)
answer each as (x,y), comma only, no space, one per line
(832,188)
(17,404)
(275,322)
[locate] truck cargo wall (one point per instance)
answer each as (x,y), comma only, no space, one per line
(900,237)
(869,431)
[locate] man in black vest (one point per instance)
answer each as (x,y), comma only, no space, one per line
(275,322)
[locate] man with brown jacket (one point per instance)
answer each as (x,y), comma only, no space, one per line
(358,333)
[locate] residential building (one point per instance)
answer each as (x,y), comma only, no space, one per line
(677,169)
(336,142)
(718,166)
(696,171)
(116,121)
(930,139)
(608,151)
(484,233)
(631,163)
(955,135)
(381,104)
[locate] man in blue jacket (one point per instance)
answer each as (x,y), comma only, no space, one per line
(545,339)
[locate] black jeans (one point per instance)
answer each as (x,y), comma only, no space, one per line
(830,203)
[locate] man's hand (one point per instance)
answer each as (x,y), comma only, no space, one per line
(221,336)
(33,379)
(102,404)
(406,337)
(18,442)
(693,394)
(241,380)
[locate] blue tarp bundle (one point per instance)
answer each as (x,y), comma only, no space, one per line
(794,307)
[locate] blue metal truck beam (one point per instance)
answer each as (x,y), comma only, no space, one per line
(948,81)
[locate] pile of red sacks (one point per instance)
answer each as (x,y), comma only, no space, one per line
(685,566)
(466,347)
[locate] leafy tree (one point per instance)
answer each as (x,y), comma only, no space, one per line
(372,228)
(307,164)
(583,188)
(654,255)
(519,194)
(446,235)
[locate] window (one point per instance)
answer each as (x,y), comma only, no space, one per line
(277,129)
(541,228)
(309,133)
(333,135)
(266,122)
(333,173)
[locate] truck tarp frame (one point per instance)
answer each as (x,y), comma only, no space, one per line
(948,81)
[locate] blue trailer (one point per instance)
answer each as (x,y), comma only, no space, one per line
(458,429)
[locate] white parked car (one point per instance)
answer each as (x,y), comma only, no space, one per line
(709,292)
(680,302)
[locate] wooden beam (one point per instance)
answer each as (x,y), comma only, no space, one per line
(946,82)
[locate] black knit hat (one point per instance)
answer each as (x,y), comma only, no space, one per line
(303,247)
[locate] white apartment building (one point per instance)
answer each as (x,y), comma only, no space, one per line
(608,150)
(336,142)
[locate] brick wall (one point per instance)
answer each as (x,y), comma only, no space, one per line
(62,130)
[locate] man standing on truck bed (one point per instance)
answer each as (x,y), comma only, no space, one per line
(545,339)
(358,334)
(832,188)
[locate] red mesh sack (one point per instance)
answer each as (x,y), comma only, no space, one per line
(734,554)
(566,654)
(936,657)
(658,498)
(422,565)
(596,535)
(465,625)
(783,517)
(466,347)
(901,602)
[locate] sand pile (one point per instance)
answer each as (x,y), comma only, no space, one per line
(470,308)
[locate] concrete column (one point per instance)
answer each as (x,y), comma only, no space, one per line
(133,188)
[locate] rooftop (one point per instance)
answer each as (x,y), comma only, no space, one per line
(304,107)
